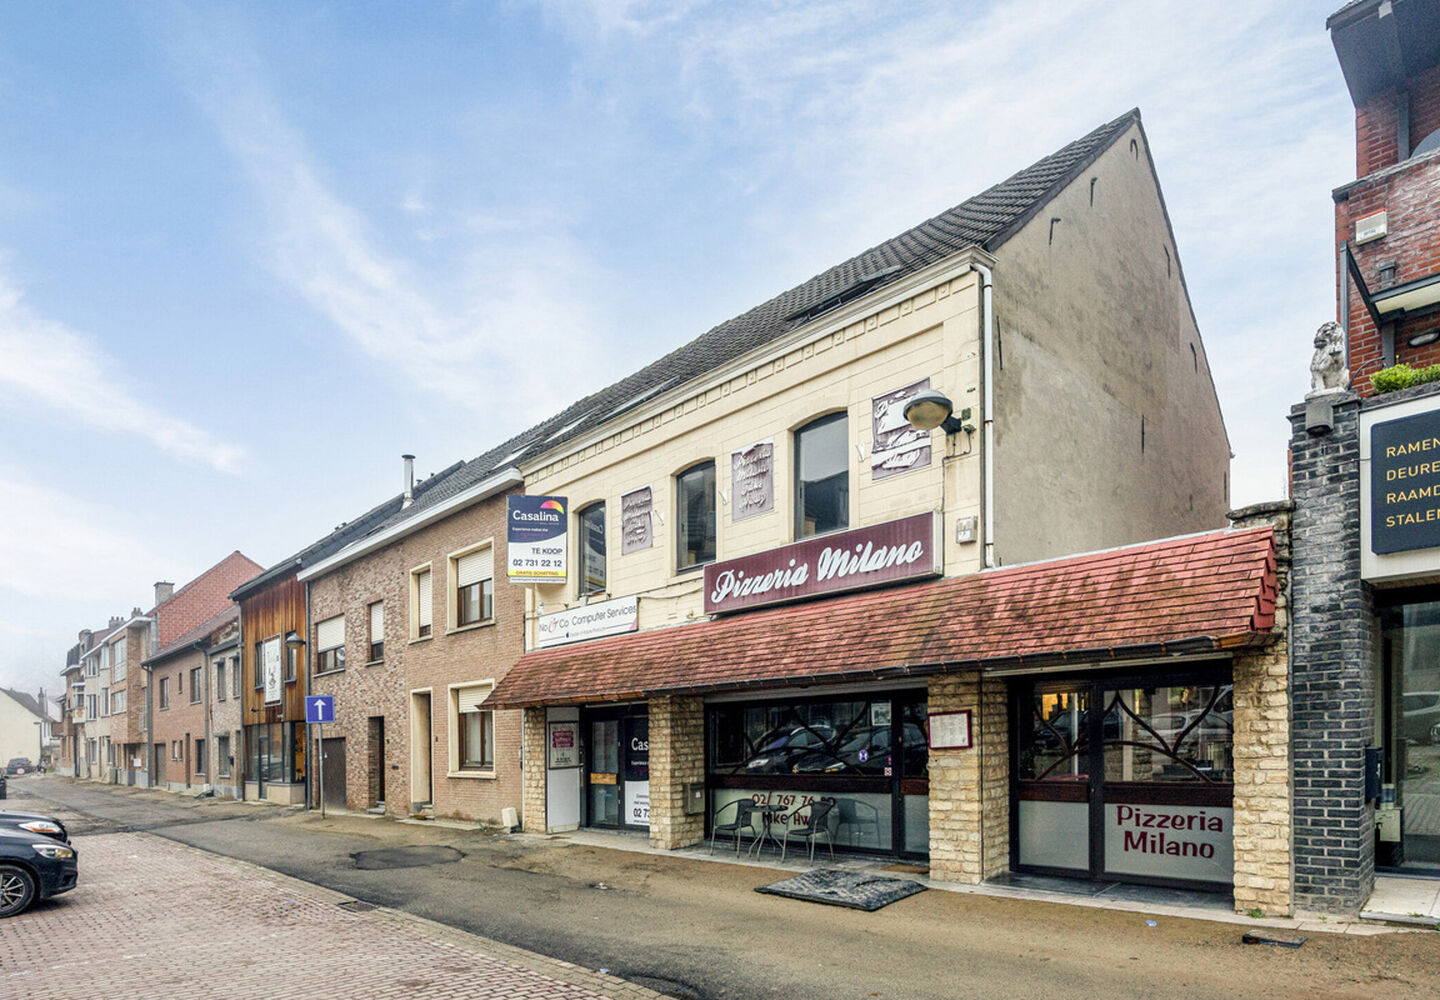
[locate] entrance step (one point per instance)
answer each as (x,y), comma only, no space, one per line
(1399,899)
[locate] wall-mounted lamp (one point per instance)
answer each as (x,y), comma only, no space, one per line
(1421,339)
(293,640)
(931,408)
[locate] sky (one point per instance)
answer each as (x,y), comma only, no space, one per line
(251,253)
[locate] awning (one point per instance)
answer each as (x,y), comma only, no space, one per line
(1210,592)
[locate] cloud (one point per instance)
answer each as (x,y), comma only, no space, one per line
(45,362)
(466,326)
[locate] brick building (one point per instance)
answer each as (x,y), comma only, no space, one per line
(1365,634)
(410,633)
(183,727)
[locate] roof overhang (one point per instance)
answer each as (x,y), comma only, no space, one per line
(1383,43)
(502,480)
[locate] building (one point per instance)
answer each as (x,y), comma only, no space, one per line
(1366,689)
(187,690)
(226,733)
(26,728)
(822,573)
(409,635)
(274,622)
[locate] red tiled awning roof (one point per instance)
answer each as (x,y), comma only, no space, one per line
(1198,593)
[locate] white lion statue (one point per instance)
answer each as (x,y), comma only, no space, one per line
(1327,366)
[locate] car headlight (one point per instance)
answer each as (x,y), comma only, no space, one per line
(59,851)
(43,826)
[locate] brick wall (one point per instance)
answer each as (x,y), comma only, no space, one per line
(451,655)
(1334,648)
(677,756)
(1377,122)
(183,722)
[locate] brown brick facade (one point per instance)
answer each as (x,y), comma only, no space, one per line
(183,722)
(413,667)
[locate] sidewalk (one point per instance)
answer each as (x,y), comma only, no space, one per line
(160,919)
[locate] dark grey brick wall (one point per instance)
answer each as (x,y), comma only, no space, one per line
(1333,646)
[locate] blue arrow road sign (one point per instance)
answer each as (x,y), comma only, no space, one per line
(320,708)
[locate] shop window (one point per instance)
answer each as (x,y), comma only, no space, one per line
(695,515)
(592,549)
(472,587)
(822,476)
(330,645)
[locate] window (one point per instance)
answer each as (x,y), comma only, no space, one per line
(90,749)
(180,683)
(219,680)
(377,631)
(473,573)
(592,549)
(164,692)
(195,685)
(104,701)
(90,706)
(475,747)
(117,661)
(259,663)
(235,674)
(420,598)
(117,702)
(330,645)
(222,755)
(822,476)
(92,668)
(200,767)
(292,663)
(695,515)
(174,749)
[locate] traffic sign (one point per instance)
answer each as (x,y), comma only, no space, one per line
(320,708)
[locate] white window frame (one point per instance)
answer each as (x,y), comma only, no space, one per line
(117,701)
(415,583)
(104,701)
(452,712)
(452,587)
(117,661)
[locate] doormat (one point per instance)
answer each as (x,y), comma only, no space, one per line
(836,887)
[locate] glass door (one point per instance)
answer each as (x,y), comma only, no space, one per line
(635,789)
(604,772)
(1052,779)
(1411,721)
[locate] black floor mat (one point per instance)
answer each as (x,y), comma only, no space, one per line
(836,887)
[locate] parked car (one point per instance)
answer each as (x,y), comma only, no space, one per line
(33,868)
(2,785)
(19,765)
(780,748)
(47,826)
(1419,714)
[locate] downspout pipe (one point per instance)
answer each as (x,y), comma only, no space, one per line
(987,410)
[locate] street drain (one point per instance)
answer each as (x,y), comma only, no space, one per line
(356,906)
(418,856)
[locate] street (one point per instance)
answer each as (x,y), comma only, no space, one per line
(153,917)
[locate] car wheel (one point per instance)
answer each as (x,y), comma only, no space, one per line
(17,890)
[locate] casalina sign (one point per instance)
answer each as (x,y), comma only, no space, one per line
(535,539)
(906,549)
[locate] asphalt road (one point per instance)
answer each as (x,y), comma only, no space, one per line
(697,929)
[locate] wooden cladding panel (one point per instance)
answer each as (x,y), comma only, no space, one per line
(276,611)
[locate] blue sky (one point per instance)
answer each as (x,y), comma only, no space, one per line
(250,253)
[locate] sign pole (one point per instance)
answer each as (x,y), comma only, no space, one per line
(320,759)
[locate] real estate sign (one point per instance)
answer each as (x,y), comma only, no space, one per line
(535,539)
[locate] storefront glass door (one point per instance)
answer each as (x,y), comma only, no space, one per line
(618,771)
(604,771)
(1411,722)
(1126,779)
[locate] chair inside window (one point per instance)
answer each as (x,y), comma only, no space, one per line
(816,825)
(746,818)
(860,821)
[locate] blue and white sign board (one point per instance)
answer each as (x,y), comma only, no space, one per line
(319,708)
(535,545)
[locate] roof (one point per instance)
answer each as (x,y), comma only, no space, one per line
(198,635)
(98,637)
(28,702)
(1382,44)
(986,221)
(1199,593)
(344,534)
(202,598)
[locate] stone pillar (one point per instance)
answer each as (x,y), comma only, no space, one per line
(532,801)
(677,757)
(1333,651)
(969,789)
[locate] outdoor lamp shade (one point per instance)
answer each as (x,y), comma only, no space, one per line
(293,640)
(928,409)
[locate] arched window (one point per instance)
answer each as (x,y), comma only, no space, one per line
(592,549)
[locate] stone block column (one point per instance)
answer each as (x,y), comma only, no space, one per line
(677,757)
(969,789)
(1264,787)
(532,796)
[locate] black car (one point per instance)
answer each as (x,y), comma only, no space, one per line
(19,765)
(46,826)
(32,867)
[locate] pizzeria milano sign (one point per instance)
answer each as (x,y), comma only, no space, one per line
(907,549)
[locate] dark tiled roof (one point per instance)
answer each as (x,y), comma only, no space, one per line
(986,220)
(1204,592)
(198,634)
(346,533)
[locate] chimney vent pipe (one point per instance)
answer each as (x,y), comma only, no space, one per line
(409,480)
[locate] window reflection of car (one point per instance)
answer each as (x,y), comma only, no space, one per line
(861,750)
(1060,728)
(1419,714)
(778,749)
(1214,727)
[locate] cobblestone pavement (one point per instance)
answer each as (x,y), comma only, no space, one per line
(153,919)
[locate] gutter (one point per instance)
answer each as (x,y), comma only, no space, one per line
(482,490)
